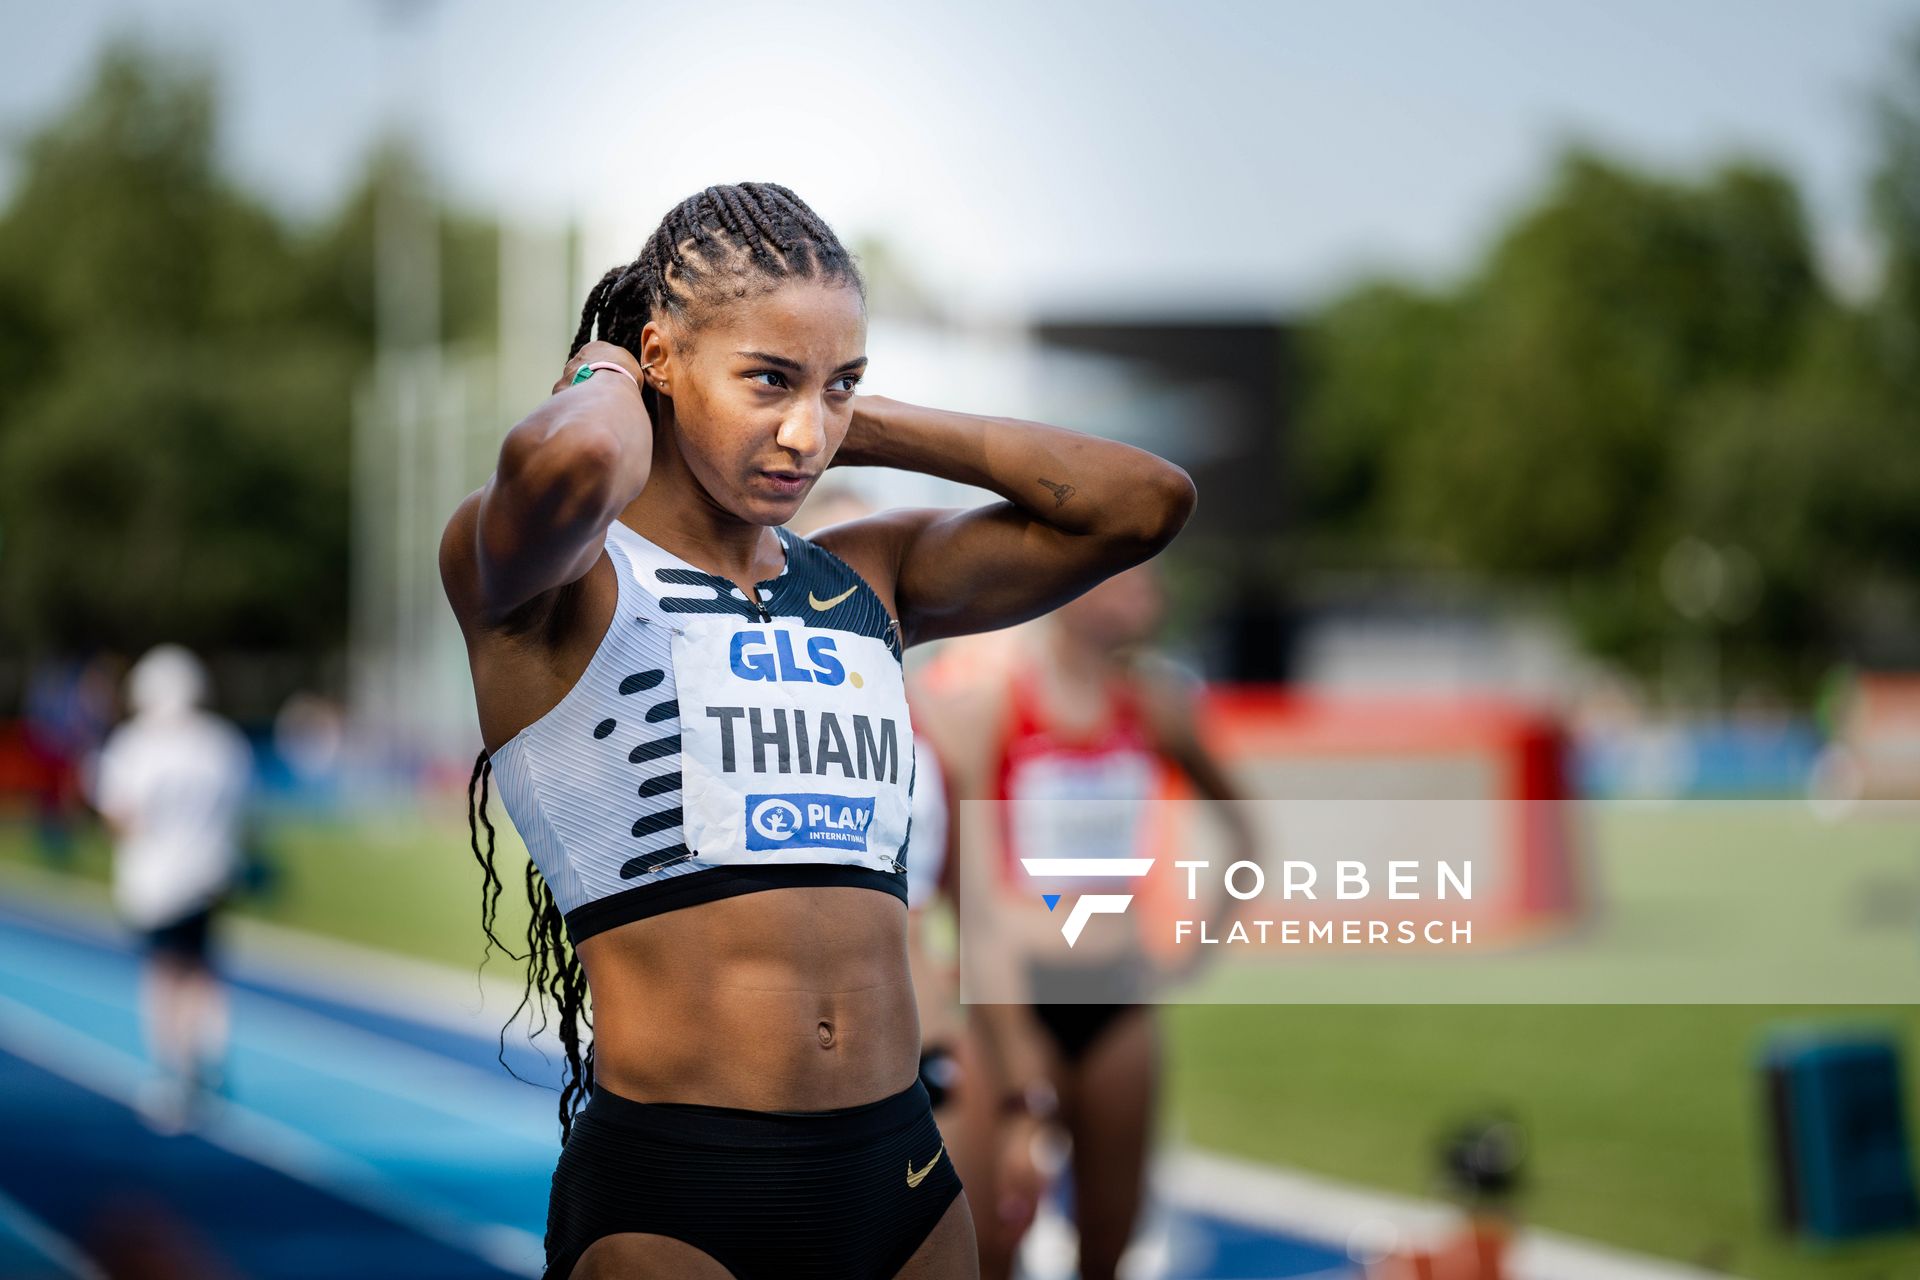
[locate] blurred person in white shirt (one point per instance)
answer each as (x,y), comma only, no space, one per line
(172,783)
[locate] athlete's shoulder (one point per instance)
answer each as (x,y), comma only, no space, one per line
(1162,675)
(866,546)
(459,571)
(887,534)
(876,546)
(231,738)
(828,589)
(1166,694)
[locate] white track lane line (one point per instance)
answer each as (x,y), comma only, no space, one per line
(367,1060)
(1320,1209)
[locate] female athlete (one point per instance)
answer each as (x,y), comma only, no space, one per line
(1069,732)
(688,709)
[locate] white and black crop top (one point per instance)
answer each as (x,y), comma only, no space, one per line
(716,745)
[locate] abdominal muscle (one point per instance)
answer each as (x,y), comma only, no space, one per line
(783,1000)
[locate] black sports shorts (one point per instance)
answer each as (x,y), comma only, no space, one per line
(1076,1028)
(846,1194)
(1078,1003)
(184,940)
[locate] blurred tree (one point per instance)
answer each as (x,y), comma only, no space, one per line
(176,375)
(174,463)
(1883,504)
(1816,475)
(1373,357)
(1555,422)
(1564,391)
(1895,202)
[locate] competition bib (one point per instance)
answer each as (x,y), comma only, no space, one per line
(1081,806)
(795,743)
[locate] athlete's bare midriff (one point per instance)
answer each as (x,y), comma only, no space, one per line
(784,1000)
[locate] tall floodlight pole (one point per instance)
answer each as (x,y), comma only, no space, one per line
(394,405)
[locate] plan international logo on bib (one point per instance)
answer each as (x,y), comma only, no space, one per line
(808,820)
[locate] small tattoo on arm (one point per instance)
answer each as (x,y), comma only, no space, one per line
(1060,492)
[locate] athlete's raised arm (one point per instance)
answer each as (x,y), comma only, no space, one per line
(1078,509)
(565,471)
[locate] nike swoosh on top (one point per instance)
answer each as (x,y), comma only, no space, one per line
(915,1179)
(823,605)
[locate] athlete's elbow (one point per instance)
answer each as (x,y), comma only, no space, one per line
(566,474)
(1159,502)
(591,467)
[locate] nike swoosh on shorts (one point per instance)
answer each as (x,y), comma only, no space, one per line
(915,1179)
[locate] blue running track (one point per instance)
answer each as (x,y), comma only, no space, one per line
(352,1142)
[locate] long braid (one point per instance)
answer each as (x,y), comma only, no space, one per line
(723,235)
(553,970)
(490,884)
(596,302)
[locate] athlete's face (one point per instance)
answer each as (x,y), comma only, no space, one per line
(763,394)
(1124,610)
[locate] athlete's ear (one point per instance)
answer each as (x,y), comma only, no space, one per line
(656,354)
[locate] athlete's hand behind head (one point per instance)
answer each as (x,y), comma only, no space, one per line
(863,433)
(599,352)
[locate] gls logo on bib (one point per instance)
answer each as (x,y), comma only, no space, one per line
(808,820)
(750,659)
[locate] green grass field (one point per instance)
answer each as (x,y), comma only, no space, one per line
(1644,1120)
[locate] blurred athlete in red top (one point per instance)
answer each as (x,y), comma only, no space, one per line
(1070,728)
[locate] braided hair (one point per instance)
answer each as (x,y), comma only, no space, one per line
(712,248)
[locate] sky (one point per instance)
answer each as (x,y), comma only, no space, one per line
(1029,158)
